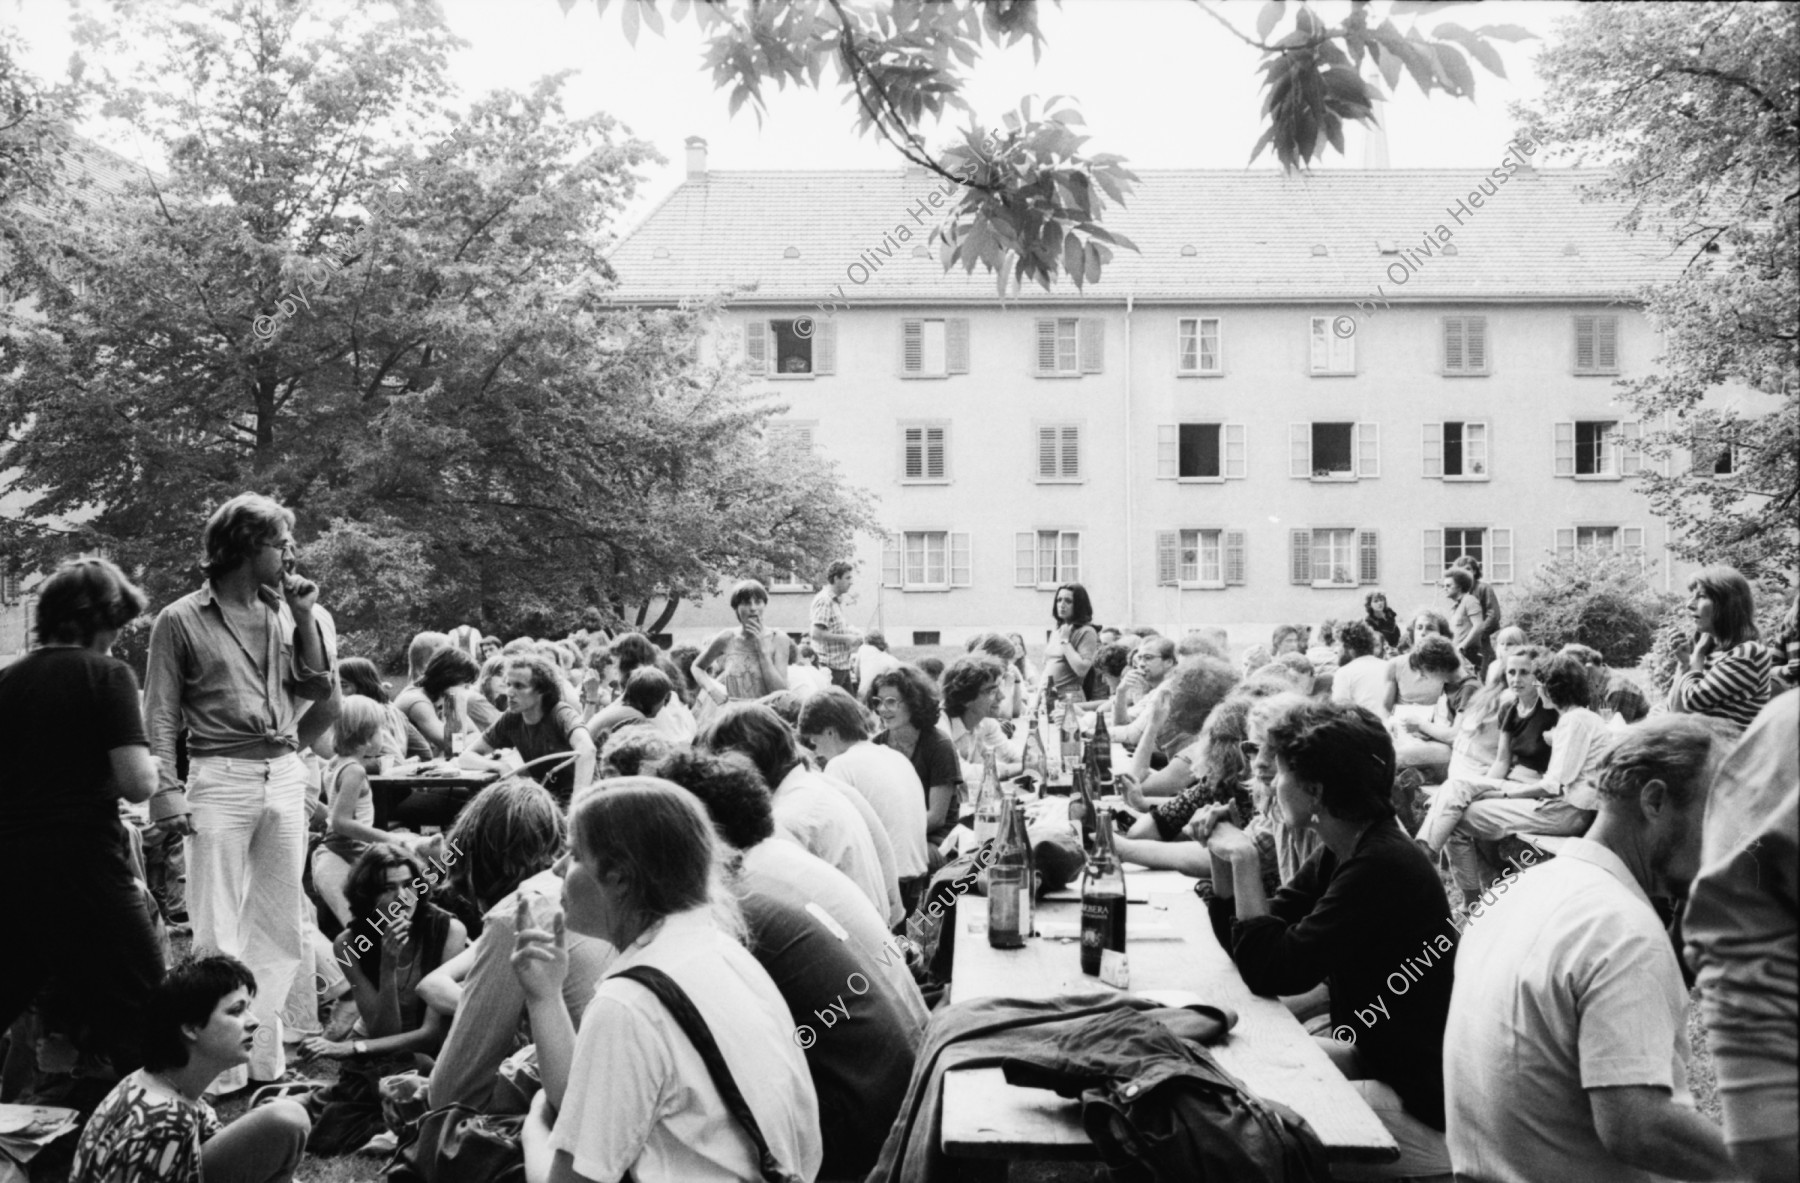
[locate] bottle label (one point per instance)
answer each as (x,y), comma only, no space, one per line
(1004,929)
(1102,928)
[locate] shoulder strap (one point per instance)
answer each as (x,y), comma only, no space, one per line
(682,1008)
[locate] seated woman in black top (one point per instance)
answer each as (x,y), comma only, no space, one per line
(1366,914)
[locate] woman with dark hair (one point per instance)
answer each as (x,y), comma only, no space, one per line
(1012,686)
(1500,737)
(1286,638)
(424,702)
(400,740)
(973,690)
(1381,619)
(906,702)
(74,742)
(1365,905)
(156,1127)
(1728,674)
(644,878)
(1069,653)
(537,724)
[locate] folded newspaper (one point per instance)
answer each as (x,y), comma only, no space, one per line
(27,1129)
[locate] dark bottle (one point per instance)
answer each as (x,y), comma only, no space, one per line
(1036,765)
(1102,747)
(1009,880)
(1102,904)
(1082,810)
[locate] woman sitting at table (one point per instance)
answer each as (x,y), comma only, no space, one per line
(400,740)
(424,701)
(972,693)
(1367,906)
(648,693)
(538,723)
(630,1093)
(906,702)
(1175,719)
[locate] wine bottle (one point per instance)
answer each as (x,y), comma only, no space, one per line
(1009,880)
(1036,762)
(987,802)
(1102,749)
(1071,737)
(1102,903)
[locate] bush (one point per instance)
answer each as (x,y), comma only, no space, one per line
(1593,598)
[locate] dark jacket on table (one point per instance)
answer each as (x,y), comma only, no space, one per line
(1377,929)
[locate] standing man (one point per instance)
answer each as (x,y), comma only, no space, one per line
(832,636)
(237,664)
(1568,1017)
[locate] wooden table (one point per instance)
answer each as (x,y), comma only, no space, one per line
(1171,947)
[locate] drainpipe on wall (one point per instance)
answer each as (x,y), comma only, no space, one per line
(1131,613)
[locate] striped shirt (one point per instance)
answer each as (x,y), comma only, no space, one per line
(828,614)
(1734,687)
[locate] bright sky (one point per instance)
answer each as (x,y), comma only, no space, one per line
(1158,81)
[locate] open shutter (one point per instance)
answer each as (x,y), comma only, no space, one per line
(1631,541)
(1167,544)
(1368,449)
(1500,555)
(1368,556)
(756,346)
(1300,556)
(959,559)
(1046,453)
(1565,449)
(1046,346)
(1584,344)
(1433,568)
(1475,344)
(1069,567)
(1321,344)
(1453,345)
(1300,449)
(956,345)
(1235,543)
(824,347)
(1606,342)
(1168,451)
(1093,344)
(1631,457)
(1235,455)
(935,461)
(1565,542)
(1434,449)
(912,347)
(1024,559)
(890,561)
(1071,451)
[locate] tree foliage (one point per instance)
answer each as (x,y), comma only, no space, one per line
(1033,198)
(394,318)
(1696,109)
(1593,597)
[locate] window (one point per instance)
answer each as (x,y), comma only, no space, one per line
(925,560)
(1200,451)
(1456,451)
(934,348)
(781,580)
(1598,448)
(9,580)
(921,637)
(1046,558)
(1714,452)
(1492,546)
(1197,346)
(1068,346)
(924,456)
(1465,345)
(1596,345)
(797,348)
(790,436)
(1336,557)
(1200,558)
(1059,452)
(1334,451)
(1627,540)
(1331,354)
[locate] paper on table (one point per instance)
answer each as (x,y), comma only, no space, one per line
(1136,930)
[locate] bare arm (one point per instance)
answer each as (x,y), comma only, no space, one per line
(133,772)
(352,783)
(1643,1127)
(583,745)
(1190,858)
(442,987)
(420,715)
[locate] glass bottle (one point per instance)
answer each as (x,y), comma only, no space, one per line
(1102,903)
(1009,880)
(987,802)
(1036,761)
(1071,737)
(1102,748)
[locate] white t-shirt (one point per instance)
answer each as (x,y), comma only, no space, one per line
(1363,682)
(888,782)
(1566,983)
(871,663)
(807,680)
(641,1099)
(818,814)
(675,721)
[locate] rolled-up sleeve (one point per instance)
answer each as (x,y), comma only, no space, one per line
(162,696)
(306,682)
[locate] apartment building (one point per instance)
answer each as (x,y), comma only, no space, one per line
(1300,389)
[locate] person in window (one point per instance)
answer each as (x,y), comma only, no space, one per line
(630,1093)
(1070,651)
(750,660)
(795,364)
(156,1127)
(538,723)
(906,702)
(1728,674)
(1366,902)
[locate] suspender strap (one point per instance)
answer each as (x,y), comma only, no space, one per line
(700,1035)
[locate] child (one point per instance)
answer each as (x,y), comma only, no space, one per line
(351,826)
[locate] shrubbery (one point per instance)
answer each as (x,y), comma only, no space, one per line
(1595,598)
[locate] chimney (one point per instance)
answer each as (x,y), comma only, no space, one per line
(1375,141)
(696,158)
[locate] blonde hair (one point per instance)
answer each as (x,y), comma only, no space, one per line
(358,724)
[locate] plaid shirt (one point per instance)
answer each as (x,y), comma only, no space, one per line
(828,615)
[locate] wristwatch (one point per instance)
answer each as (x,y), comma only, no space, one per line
(360,1047)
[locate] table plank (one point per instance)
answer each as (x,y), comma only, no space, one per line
(1268,1050)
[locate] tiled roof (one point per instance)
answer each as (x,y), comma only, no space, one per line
(85,170)
(1252,234)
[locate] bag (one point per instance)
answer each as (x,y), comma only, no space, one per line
(456,1144)
(682,1008)
(1093,685)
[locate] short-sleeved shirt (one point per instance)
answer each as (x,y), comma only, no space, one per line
(62,711)
(551,734)
(1566,983)
(934,759)
(1530,748)
(1363,682)
(888,783)
(1086,641)
(815,813)
(144,1134)
(828,614)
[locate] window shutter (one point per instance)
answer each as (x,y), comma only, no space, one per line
(1434,557)
(1453,344)
(1093,344)
(756,346)
(935,466)
(1606,342)
(1046,346)
(1168,451)
(1235,463)
(912,346)
(1070,566)
(1368,550)
(890,561)
(1071,451)
(959,560)
(1300,556)
(1024,559)
(1631,459)
(1500,555)
(824,347)
(1368,449)
(956,345)
(1475,344)
(1631,540)
(913,466)
(1166,543)
(1565,542)
(1565,449)
(1434,449)
(1234,556)
(1300,449)
(1047,453)
(1584,344)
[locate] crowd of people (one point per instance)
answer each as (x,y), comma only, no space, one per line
(677,936)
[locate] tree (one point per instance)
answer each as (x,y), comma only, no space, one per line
(1593,597)
(1032,201)
(1696,108)
(406,338)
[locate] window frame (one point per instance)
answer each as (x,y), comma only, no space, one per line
(760,349)
(1434,452)
(1624,439)
(924,427)
(1062,427)
(1334,344)
(1065,540)
(956,347)
(1598,367)
(1462,324)
(1088,346)
(1365,556)
(958,560)
(1234,452)
(1623,539)
(1365,452)
(1498,564)
(1198,370)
